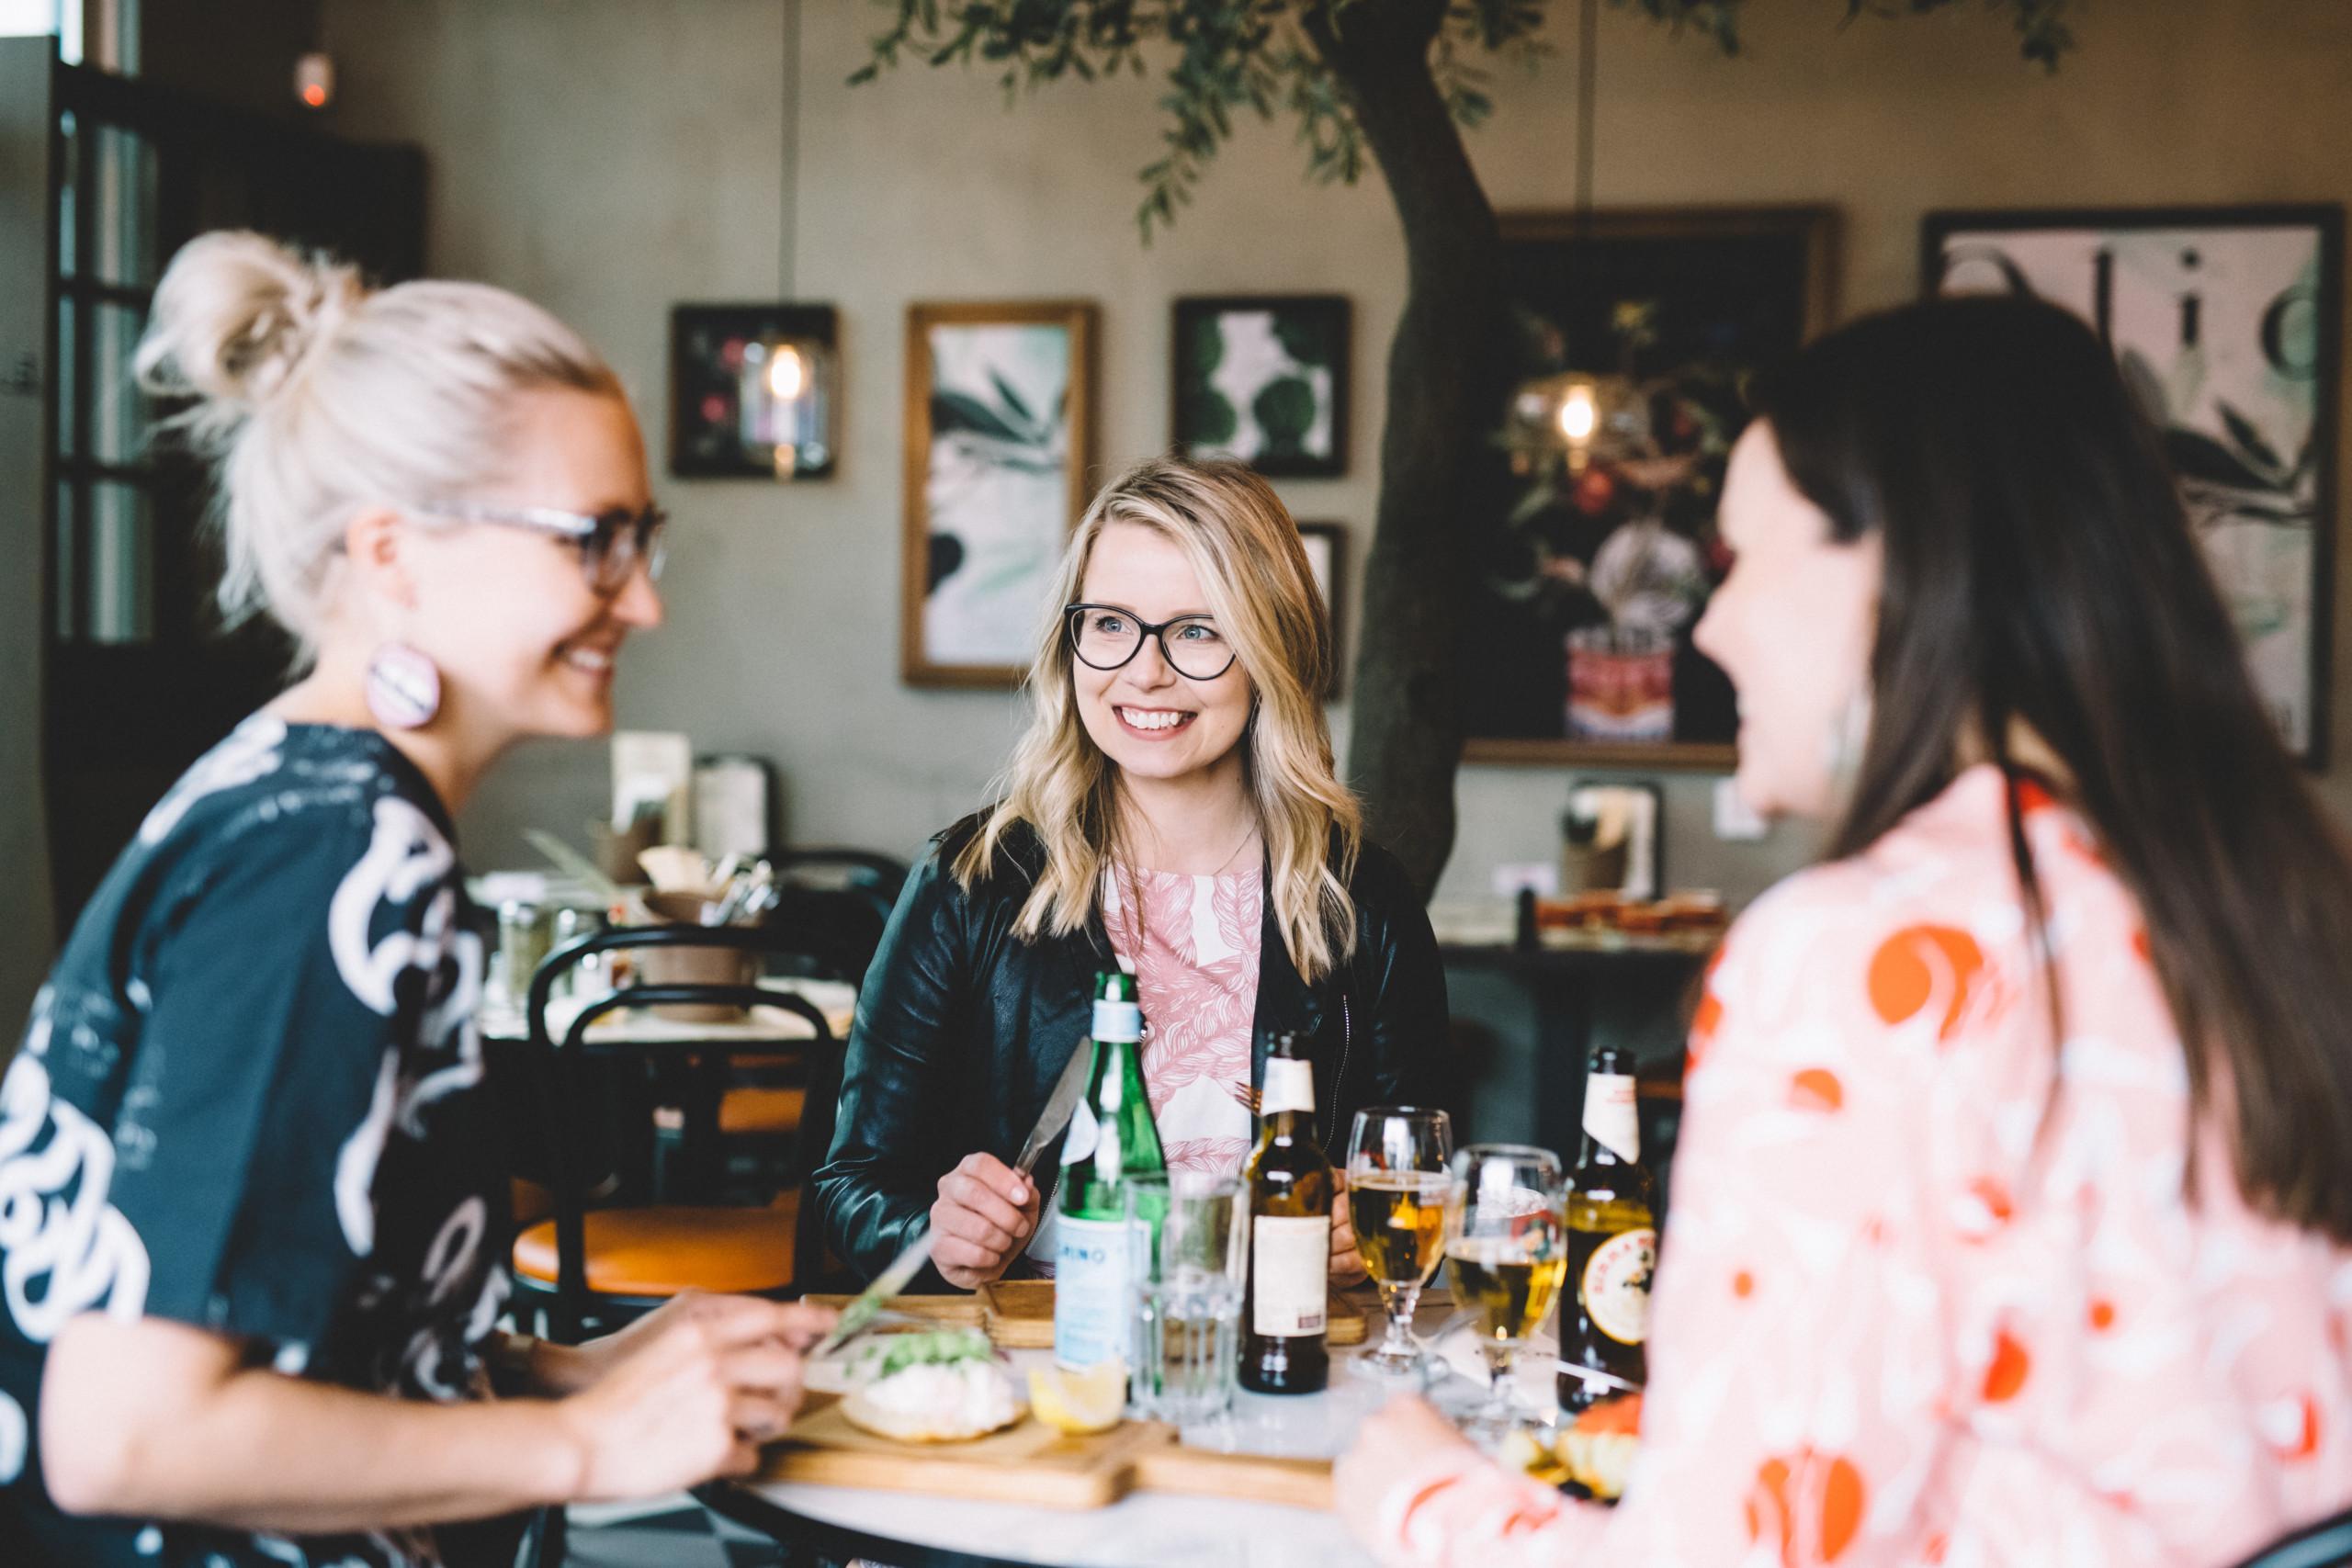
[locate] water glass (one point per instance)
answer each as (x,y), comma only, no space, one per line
(1191,1232)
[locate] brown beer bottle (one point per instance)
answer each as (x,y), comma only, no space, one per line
(1288,1182)
(1612,1243)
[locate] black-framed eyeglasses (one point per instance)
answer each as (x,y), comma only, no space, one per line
(1105,637)
(611,543)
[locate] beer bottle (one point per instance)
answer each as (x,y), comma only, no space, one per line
(1612,1242)
(1112,1140)
(1290,1189)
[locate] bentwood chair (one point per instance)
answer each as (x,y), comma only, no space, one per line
(589,1270)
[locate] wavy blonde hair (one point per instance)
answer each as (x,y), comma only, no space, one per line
(1243,546)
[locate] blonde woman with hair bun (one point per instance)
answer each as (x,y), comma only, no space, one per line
(252,1217)
(1172,810)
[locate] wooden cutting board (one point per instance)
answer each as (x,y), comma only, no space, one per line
(1031,1464)
(936,1312)
(1019,1315)
(1027,1462)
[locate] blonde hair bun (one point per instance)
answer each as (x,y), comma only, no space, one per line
(316,399)
(236,317)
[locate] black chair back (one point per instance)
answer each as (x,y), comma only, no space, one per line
(839,919)
(580,1113)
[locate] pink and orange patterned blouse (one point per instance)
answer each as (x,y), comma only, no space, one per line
(1931,1292)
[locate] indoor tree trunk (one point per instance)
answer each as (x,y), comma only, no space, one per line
(1445,390)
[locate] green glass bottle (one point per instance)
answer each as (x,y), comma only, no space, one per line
(1112,1139)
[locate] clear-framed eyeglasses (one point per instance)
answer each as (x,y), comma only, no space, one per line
(1105,637)
(611,543)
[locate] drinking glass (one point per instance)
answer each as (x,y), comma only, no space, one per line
(1191,1232)
(1506,1245)
(1397,1199)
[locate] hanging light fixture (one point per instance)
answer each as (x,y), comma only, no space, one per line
(785,388)
(784,393)
(1590,414)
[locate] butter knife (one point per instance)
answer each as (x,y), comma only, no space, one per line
(1060,1106)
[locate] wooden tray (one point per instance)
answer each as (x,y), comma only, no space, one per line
(936,1312)
(1019,1315)
(1031,1464)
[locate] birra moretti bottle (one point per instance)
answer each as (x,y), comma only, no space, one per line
(1112,1140)
(1612,1244)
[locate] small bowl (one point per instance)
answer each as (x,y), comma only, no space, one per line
(693,965)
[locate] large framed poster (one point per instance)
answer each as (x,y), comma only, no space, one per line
(2226,322)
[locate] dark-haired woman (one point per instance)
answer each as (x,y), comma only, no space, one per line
(2013,1220)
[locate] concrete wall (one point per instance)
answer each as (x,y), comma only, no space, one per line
(610,157)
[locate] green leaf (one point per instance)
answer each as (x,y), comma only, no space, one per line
(2249,439)
(2199,457)
(1012,400)
(1209,420)
(953,411)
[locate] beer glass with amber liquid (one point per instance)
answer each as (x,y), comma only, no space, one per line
(1506,1246)
(1396,1189)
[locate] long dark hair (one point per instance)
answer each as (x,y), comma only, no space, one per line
(2040,570)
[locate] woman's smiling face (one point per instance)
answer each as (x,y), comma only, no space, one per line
(1151,720)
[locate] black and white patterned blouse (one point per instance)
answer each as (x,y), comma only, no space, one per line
(250,1099)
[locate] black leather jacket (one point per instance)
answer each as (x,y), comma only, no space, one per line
(962,1029)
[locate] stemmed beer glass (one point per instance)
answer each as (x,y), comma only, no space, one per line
(1397,1195)
(1506,1243)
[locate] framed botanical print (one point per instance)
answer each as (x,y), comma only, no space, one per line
(2226,322)
(999,442)
(1263,378)
(1603,548)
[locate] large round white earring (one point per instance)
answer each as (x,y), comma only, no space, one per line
(403,687)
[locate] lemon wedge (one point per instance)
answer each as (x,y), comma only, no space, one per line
(1079,1403)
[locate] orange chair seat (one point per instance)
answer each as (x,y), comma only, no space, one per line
(663,1251)
(766,1111)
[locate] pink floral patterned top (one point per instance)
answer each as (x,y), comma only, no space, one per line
(1194,955)
(1901,1318)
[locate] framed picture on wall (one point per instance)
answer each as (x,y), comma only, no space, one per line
(2226,322)
(1263,378)
(1605,551)
(727,419)
(1327,550)
(999,441)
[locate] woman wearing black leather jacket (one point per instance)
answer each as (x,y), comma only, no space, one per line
(1172,810)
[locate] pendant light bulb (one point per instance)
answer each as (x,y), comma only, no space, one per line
(1579,414)
(787,373)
